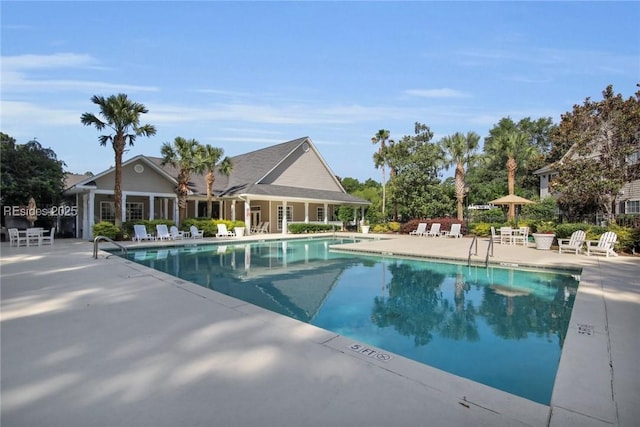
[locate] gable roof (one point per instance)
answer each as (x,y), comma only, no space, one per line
(248,176)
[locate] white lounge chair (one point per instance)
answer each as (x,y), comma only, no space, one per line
(223,232)
(15,239)
(422,228)
(175,233)
(48,238)
(140,233)
(264,228)
(256,227)
(195,233)
(604,245)
(434,230)
(162,232)
(520,235)
(455,231)
(573,243)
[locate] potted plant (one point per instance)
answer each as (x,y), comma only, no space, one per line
(365,226)
(544,235)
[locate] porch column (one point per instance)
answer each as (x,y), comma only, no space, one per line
(326,213)
(165,209)
(152,212)
(221,210)
(362,213)
(176,211)
(247,216)
(124,206)
(197,207)
(306,212)
(284,217)
(233,210)
(77,218)
(91,206)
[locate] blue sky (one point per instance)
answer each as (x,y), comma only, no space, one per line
(245,75)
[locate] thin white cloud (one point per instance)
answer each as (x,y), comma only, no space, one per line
(15,77)
(56,60)
(436,93)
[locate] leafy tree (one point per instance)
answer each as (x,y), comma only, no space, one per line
(416,188)
(604,137)
(29,170)
(459,149)
(181,155)
(351,184)
(206,159)
(380,160)
(122,116)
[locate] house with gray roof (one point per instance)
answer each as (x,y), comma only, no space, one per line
(277,185)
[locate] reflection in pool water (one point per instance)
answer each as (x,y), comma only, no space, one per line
(498,326)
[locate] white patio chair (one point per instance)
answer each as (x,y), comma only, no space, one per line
(48,238)
(175,233)
(264,228)
(422,228)
(434,230)
(574,243)
(505,235)
(140,233)
(34,236)
(195,233)
(455,231)
(256,227)
(16,238)
(223,232)
(495,237)
(520,236)
(604,245)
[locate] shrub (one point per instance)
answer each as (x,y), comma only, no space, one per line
(381,228)
(300,228)
(490,215)
(107,229)
(394,226)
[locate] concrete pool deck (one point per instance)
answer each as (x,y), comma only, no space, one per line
(108,342)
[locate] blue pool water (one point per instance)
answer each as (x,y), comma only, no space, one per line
(498,326)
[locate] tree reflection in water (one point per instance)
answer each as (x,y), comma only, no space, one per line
(417,305)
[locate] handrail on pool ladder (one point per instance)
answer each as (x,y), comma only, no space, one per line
(106,239)
(475,240)
(486,258)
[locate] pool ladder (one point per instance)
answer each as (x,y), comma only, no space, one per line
(97,240)
(489,251)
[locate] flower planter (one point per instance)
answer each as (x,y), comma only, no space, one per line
(543,241)
(365,229)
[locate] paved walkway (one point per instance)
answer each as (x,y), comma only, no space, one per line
(108,342)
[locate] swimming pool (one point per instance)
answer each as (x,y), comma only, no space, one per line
(498,326)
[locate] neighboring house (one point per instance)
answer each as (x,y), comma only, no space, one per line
(627,200)
(291,177)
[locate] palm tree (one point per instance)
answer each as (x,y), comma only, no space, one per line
(181,155)
(459,149)
(380,160)
(206,159)
(516,147)
(122,116)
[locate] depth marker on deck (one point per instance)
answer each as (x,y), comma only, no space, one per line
(370,352)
